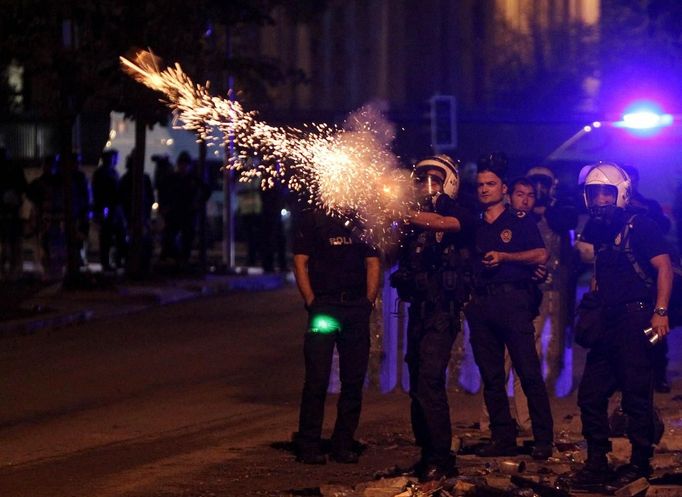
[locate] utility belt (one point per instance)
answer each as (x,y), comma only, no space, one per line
(629,308)
(491,289)
(422,308)
(445,284)
(343,296)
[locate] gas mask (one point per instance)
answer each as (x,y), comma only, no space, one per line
(543,189)
(603,210)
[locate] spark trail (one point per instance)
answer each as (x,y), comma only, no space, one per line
(347,170)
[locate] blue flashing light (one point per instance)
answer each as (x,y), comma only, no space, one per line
(645,119)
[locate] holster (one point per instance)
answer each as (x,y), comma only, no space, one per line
(589,325)
(403,281)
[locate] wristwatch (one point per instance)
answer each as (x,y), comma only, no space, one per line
(661,311)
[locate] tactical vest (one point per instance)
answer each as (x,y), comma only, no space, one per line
(431,268)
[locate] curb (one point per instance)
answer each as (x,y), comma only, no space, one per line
(27,326)
(146,298)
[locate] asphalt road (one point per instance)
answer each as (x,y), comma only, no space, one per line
(110,406)
(146,403)
(192,399)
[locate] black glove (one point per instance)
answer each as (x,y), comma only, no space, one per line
(425,204)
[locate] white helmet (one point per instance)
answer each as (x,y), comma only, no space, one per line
(446,165)
(610,175)
(541,171)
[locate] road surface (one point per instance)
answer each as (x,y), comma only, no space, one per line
(193,399)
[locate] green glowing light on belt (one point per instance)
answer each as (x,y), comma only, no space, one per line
(321,323)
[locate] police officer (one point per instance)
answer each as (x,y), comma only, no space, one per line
(508,248)
(430,277)
(653,210)
(338,277)
(633,276)
(521,199)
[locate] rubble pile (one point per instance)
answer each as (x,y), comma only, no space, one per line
(520,476)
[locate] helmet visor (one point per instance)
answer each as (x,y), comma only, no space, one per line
(429,183)
(543,187)
(541,179)
(601,195)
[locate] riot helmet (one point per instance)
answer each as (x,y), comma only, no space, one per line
(545,183)
(438,170)
(612,178)
(607,191)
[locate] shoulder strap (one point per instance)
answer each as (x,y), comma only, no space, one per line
(629,253)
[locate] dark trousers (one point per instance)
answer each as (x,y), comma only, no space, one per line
(431,332)
(178,237)
(622,361)
(660,361)
(496,322)
(112,234)
(351,338)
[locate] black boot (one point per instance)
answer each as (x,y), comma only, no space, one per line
(308,451)
(311,456)
(628,473)
(639,467)
(498,448)
(595,473)
(438,469)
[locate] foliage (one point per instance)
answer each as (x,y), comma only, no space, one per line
(85,75)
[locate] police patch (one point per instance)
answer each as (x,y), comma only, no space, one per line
(340,240)
(506,236)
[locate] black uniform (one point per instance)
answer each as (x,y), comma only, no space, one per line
(431,277)
(622,358)
(339,315)
(653,210)
(501,313)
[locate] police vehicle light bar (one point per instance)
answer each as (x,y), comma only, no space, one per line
(644,119)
